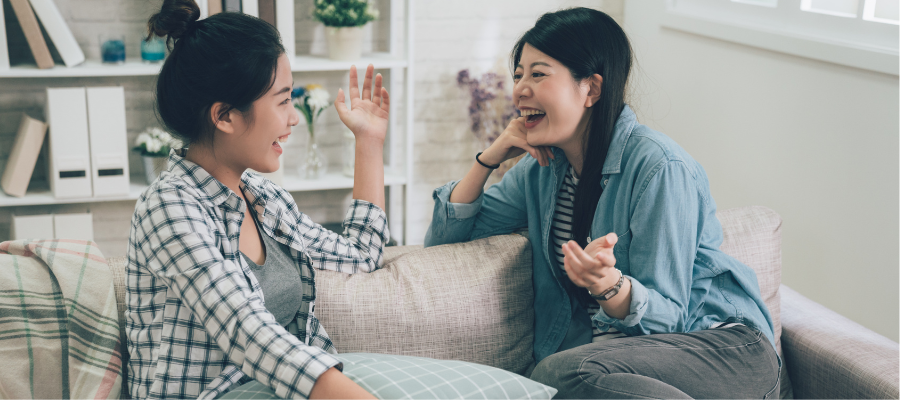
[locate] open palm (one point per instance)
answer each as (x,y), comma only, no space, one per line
(367,117)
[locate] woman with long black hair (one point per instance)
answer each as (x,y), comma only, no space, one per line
(633,298)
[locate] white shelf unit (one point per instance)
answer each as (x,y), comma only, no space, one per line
(398,170)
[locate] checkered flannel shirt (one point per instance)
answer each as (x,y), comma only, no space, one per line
(196,319)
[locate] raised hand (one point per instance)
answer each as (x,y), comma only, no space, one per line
(367,117)
(593,267)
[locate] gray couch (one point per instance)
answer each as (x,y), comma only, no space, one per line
(473,301)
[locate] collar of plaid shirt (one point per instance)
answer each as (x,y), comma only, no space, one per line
(196,322)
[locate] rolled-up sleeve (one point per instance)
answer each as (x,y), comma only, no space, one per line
(662,252)
(500,209)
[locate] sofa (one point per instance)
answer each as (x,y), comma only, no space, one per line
(473,302)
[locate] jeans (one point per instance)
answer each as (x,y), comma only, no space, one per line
(726,363)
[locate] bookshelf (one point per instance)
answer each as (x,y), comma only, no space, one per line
(396,61)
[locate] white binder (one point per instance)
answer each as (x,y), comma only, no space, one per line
(73,226)
(4,50)
(109,142)
(69,169)
(32,227)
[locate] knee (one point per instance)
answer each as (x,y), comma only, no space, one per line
(560,371)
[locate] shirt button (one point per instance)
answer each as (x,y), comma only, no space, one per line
(605,182)
(279,232)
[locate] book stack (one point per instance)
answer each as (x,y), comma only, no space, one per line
(32,16)
(279,13)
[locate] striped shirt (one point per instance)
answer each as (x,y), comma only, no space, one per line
(561,233)
(196,320)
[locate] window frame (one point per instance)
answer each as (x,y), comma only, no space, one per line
(787,29)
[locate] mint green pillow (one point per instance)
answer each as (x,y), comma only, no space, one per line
(405,377)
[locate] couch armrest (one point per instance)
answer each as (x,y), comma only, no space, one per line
(828,356)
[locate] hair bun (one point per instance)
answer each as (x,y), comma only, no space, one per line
(174,19)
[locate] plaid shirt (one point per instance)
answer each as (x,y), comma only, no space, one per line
(196,319)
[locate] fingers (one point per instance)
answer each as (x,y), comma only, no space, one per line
(354,86)
(367,83)
(386,101)
(376,94)
(339,104)
(607,241)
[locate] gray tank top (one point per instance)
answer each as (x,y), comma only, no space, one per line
(280,279)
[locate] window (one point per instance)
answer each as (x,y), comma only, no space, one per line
(858,33)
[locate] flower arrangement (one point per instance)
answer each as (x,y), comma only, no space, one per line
(155,142)
(311,101)
(490,108)
(344,13)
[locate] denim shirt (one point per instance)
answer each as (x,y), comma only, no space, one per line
(656,198)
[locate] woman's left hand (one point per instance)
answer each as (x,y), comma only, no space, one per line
(593,267)
(367,117)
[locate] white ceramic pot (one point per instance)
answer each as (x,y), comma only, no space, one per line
(153,166)
(344,44)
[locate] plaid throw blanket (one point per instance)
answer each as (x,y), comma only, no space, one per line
(59,331)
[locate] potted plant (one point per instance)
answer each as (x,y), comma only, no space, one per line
(343,20)
(154,145)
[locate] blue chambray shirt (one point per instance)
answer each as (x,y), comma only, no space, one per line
(657,199)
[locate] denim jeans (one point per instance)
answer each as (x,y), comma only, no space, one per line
(727,363)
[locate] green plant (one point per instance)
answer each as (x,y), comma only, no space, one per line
(344,13)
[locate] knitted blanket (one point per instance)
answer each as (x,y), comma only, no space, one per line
(59,330)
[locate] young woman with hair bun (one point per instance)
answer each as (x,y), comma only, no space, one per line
(633,298)
(220,275)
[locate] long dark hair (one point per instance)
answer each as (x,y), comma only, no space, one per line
(228,57)
(587,42)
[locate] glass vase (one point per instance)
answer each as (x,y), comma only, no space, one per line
(315,165)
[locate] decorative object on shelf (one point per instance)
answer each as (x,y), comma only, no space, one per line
(311,101)
(154,145)
(343,20)
(153,50)
(348,145)
(112,48)
(490,110)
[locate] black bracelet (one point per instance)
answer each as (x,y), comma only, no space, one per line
(485,165)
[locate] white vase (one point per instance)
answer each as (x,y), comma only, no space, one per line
(344,43)
(153,166)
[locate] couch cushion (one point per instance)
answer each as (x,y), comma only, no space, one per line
(465,301)
(752,235)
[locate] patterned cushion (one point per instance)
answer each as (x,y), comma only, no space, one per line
(753,236)
(465,301)
(404,377)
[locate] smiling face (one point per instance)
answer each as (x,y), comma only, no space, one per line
(553,102)
(257,145)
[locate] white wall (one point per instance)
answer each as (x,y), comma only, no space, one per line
(815,141)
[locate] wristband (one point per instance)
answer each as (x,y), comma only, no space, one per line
(485,165)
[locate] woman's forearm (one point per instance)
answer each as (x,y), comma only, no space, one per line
(471,185)
(619,306)
(368,171)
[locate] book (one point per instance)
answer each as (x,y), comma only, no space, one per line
(284,13)
(4,51)
(232,5)
(250,7)
(23,156)
(267,11)
(58,31)
(214,7)
(33,34)
(204,8)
